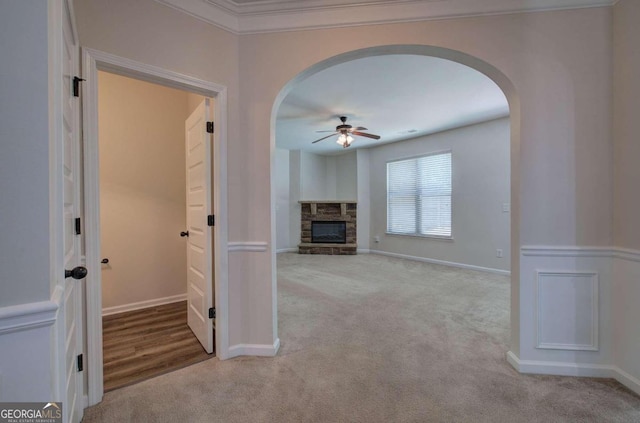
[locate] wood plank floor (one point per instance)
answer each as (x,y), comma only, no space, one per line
(145,343)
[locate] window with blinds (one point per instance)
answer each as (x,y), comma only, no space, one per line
(419,196)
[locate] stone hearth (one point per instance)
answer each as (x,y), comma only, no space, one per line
(328,211)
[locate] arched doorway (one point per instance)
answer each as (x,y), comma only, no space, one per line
(478,65)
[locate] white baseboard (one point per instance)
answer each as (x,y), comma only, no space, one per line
(363,251)
(559,368)
(143,304)
(627,380)
(574,369)
(442,262)
(260,350)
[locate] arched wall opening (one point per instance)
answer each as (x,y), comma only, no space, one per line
(481,66)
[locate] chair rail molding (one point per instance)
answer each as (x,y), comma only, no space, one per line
(247,246)
(28,316)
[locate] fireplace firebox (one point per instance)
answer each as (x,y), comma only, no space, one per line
(328,232)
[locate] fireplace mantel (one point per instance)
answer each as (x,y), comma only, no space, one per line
(314,204)
(328,211)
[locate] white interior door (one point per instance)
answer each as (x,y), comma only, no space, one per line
(200,234)
(70,307)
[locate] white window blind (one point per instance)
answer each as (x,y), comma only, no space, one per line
(419,196)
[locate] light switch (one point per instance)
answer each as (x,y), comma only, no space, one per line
(506,207)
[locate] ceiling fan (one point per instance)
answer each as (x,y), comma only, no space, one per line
(345,130)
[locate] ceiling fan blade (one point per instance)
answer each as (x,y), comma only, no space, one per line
(332,130)
(359,128)
(364,134)
(324,138)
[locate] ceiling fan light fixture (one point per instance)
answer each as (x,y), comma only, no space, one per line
(344,132)
(344,140)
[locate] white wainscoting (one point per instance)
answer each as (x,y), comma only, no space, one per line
(567,310)
(107,311)
(579,314)
(26,341)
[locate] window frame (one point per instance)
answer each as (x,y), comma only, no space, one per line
(417,234)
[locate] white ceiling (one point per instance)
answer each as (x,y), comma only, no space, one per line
(390,95)
(254,16)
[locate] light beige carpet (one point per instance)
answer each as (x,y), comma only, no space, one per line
(374,339)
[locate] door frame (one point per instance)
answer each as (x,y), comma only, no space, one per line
(92,61)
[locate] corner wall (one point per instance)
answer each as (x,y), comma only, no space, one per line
(626,127)
(300,175)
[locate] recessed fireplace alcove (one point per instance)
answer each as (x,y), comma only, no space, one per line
(328,227)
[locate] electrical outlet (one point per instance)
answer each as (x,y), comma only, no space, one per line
(376,238)
(499,253)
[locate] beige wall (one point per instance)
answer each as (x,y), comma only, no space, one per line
(626,123)
(555,66)
(142,190)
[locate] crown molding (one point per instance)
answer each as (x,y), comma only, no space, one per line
(252,17)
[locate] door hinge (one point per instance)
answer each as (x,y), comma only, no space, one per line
(76,86)
(210,127)
(212,313)
(78,226)
(211,220)
(79,363)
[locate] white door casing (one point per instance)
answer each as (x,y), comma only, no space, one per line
(199,239)
(94,60)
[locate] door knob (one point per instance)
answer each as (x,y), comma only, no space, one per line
(183,234)
(76,273)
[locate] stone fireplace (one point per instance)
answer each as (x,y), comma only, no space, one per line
(328,227)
